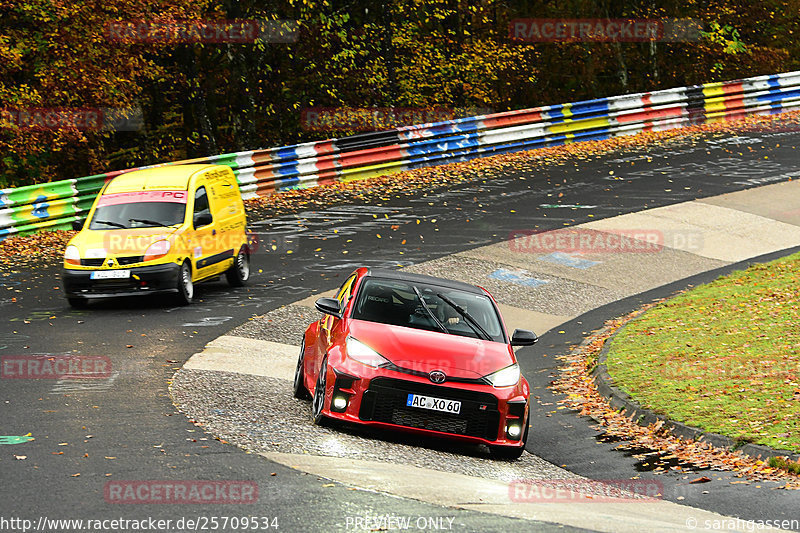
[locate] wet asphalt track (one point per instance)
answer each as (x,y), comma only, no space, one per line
(126,425)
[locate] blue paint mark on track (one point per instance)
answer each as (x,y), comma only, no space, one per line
(518,277)
(570,260)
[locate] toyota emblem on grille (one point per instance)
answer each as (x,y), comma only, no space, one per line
(437,376)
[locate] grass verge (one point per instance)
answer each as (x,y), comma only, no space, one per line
(723,357)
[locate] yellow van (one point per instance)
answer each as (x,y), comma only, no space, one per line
(159,230)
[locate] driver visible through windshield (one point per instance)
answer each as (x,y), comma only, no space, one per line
(423,306)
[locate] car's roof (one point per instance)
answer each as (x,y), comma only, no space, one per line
(422,278)
(155,178)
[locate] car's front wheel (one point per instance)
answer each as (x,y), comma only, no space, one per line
(509,453)
(238,274)
(185,284)
(319,394)
(299,390)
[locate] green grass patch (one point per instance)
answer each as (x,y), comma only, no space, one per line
(780,462)
(723,357)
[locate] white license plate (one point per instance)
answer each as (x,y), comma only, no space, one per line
(110,274)
(434,404)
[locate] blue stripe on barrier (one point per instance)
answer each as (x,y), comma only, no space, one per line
(773,96)
(286,152)
(599,106)
(286,183)
(442,145)
(774,81)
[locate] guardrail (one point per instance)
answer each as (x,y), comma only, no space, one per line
(261,172)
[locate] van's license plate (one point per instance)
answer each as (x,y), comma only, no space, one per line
(434,404)
(110,274)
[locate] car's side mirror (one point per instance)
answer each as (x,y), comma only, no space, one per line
(202,220)
(329,306)
(77,225)
(523,337)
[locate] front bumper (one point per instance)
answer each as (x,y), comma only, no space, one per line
(485,416)
(143,280)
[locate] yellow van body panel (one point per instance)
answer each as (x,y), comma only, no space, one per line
(210,249)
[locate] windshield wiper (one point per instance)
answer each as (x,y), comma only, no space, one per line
(110,223)
(428,309)
(148,221)
(476,327)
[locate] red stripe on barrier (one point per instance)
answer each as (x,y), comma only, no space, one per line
(328,162)
(732,87)
(325,147)
(261,157)
(371,156)
(512,118)
(651,114)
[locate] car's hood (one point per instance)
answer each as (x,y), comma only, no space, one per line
(118,242)
(424,351)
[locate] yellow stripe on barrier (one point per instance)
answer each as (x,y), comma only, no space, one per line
(576,125)
(372,171)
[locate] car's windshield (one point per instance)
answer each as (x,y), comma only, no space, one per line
(442,309)
(141,209)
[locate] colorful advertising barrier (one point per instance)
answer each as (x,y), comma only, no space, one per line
(261,172)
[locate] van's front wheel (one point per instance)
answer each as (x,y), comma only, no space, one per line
(185,285)
(239,272)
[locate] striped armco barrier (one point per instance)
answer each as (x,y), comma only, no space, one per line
(261,172)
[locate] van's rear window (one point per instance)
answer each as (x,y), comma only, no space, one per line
(175,197)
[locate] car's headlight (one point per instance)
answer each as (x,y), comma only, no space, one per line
(504,378)
(72,255)
(157,250)
(364,354)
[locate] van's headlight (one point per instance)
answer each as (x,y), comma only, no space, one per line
(364,354)
(504,378)
(157,250)
(72,255)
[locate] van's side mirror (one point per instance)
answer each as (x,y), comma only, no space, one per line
(329,306)
(523,337)
(77,225)
(203,219)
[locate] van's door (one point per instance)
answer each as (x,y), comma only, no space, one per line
(229,208)
(207,257)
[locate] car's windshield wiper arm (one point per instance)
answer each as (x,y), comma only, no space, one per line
(476,327)
(148,221)
(428,309)
(110,223)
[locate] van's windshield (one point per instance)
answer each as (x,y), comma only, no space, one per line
(140,209)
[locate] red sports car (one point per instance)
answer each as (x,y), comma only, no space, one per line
(420,354)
